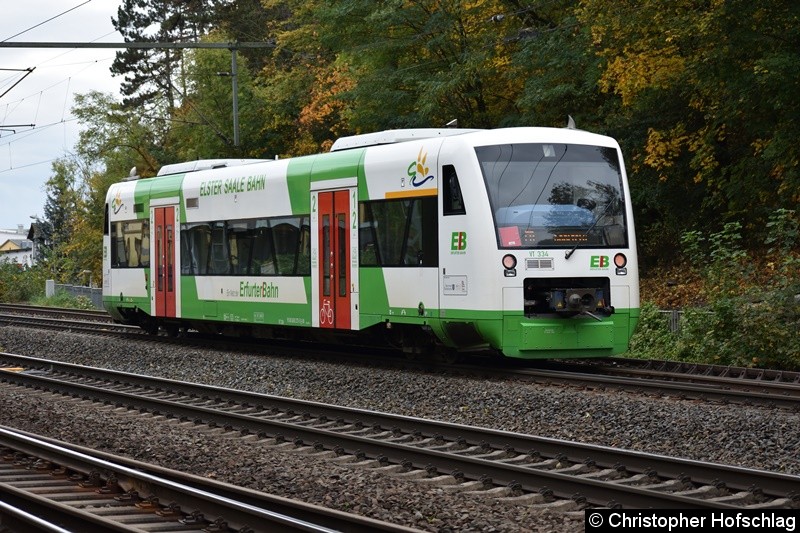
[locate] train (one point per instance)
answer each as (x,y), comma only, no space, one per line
(518,242)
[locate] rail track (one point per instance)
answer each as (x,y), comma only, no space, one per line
(513,467)
(48,485)
(714,383)
(95,315)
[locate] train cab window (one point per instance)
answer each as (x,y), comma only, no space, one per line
(453,202)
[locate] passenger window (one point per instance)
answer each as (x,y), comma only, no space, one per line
(279,246)
(453,202)
(399,233)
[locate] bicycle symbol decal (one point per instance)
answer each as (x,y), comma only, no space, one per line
(326,314)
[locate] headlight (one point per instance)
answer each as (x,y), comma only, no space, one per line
(509,262)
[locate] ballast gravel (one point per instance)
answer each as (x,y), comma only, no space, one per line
(745,436)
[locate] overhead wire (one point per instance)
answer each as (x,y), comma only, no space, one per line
(46,21)
(17,136)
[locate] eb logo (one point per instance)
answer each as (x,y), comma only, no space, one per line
(458,241)
(599,261)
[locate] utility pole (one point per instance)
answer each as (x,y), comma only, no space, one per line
(235,90)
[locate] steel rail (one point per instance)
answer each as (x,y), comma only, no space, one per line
(599,492)
(782,395)
(599,375)
(49,311)
(211,497)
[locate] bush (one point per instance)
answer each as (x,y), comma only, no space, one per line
(752,316)
(19,283)
(66,300)
(653,338)
(740,332)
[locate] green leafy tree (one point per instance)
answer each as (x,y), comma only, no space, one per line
(432,61)
(551,52)
(60,210)
(154,77)
(202,127)
(118,137)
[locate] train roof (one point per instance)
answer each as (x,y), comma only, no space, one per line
(203,164)
(395,136)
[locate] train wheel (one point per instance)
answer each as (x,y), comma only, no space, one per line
(151,327)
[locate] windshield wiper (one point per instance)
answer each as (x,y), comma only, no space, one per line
(596,220)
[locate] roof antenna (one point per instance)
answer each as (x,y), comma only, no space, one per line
(570,122)
(132,176)
(452,124)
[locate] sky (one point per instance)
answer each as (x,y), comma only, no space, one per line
(45,97)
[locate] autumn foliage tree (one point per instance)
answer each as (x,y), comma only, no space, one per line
(713,87)
(702,96)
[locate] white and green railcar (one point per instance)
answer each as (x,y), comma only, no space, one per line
(517,240)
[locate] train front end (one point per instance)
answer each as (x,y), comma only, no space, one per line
(546,256)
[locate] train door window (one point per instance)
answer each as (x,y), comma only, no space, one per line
(170,260)
(159,259)
(326,253)
(453,202)
(341,239)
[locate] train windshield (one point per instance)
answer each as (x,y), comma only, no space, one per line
(555,195)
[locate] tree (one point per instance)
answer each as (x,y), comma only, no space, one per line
(117,137)
(709,95)
(406,64)
(202,126)
(553,59)
(154,77)
(60,210)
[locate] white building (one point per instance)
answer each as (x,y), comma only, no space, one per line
(16,247)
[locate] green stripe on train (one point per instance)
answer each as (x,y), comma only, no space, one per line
(258,313)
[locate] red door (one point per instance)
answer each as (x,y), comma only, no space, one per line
(165,261)
(334,260)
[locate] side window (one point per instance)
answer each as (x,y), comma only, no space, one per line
(304,253)
(220,258)
(263,262)
(286,234)
(195,243)
(367,240)
(240,244)
(399,233)
(130,244)
(453,202)
(119,257)
(267,247)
